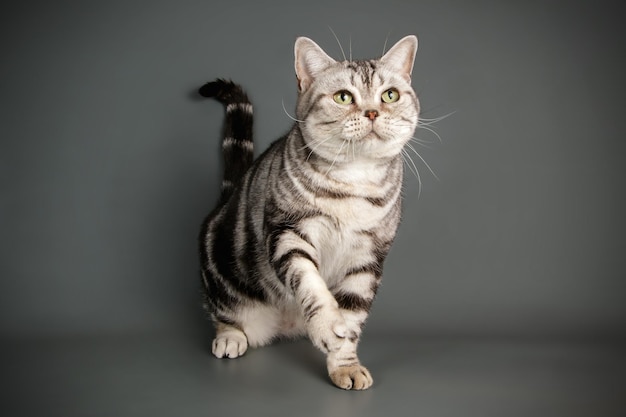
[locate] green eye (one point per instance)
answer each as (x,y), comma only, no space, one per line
(391,96)
(343,97)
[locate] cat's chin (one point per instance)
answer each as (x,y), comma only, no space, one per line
(371,136)
(377,142)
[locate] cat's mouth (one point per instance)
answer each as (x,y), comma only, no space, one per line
(372,134)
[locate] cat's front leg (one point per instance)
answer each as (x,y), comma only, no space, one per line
(345,369)
(344,366)
(354,296)
(325,325)
(296,265)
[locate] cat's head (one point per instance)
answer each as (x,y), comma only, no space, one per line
(351,109)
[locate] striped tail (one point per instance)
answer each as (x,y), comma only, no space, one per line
(237,144)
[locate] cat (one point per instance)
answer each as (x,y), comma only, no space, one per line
(296,244)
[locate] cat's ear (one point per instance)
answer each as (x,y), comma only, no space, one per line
(402,56)
(310,61)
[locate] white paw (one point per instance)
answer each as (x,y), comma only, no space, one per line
(230,344)
(355,377)
(328,330)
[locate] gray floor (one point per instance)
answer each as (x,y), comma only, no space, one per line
(175,375)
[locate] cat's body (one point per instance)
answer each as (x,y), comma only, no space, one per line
(297,242)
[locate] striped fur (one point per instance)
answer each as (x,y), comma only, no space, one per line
(297,242)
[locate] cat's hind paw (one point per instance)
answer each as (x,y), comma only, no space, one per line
(354,377)
(230,343)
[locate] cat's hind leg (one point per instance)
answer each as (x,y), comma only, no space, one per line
(229,342)
(253,325)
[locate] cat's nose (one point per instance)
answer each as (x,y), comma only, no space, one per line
(371,114)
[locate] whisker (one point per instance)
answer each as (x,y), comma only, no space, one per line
(432,131)
(413,168)
(350,47)
(290,116)
(423,161)
(339,43)
(386,40)
(316,145)
(336,156)
(421,142)
(428,121)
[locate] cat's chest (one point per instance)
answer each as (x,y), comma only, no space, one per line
(350,214)
(345,245)
(353,214)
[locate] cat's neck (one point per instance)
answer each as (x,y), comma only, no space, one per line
(353,168)
(360,171)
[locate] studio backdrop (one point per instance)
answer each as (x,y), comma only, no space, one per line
(110,160)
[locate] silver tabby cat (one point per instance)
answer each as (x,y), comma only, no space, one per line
(297,242)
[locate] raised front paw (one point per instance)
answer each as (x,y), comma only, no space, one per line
(328,330)
(355,377)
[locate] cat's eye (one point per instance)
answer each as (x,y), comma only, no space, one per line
(391,96)
(343,97)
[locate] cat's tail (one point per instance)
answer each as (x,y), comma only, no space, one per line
(237,144)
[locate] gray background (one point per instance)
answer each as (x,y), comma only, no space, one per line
(109,162)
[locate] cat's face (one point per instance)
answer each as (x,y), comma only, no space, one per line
(356,109)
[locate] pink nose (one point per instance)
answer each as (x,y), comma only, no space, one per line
(371,114)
